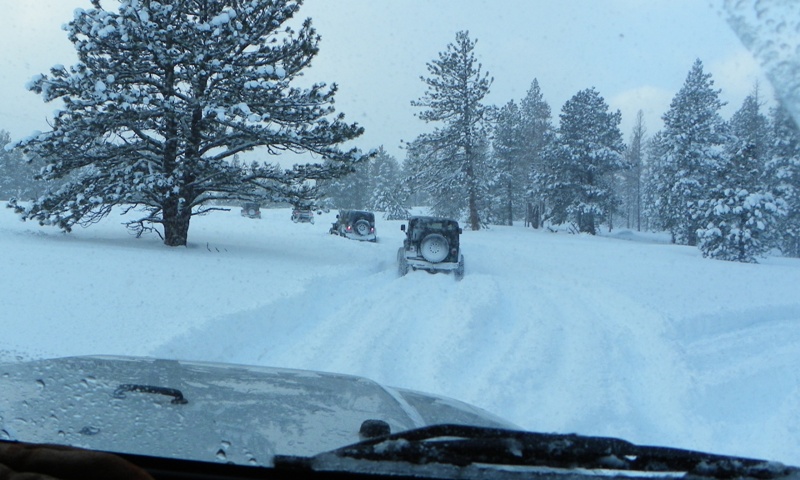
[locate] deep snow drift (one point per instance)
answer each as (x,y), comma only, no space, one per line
(621,335)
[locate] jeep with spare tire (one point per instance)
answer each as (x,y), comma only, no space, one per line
(355,225)
(431,244)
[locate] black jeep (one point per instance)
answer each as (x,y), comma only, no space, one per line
(431,244)
(302,215)
(355,224)
(251,210)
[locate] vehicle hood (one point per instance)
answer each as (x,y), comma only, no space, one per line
(233,413)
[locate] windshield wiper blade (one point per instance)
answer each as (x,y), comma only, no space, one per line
(177,395)
(461,445)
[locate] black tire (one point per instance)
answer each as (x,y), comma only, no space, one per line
(402,263)
(434,248)
(361,227)
(458,273)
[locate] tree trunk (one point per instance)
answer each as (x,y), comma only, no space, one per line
(510,203)
(176,223)
(474,220)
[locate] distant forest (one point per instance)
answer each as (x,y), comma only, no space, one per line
(730,187)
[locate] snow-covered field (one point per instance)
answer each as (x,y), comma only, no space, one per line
(621,335)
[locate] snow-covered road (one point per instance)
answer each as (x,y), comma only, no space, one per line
(618,335)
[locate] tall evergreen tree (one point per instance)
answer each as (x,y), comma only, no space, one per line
(691,146)
(739,217)
(589,153)
(632,191)
(653,216)
(512,172)
(436,172)
(537,137)
(375,184)
(783,174)
(162,98)
(455,89)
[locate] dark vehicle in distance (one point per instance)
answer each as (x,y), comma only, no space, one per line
(431,244)
(302,216)
(251,210)
(355,225)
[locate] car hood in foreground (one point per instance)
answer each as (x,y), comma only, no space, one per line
(205,411)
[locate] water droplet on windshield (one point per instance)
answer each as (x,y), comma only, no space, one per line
(40,383)
(4,435)
(221,455)
(225,444)
(89,430)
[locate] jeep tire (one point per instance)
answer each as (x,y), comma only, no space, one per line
(434,247)
(362,227)
(402,263)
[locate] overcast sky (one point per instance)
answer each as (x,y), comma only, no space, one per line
(636,53)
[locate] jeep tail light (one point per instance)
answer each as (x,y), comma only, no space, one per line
(349,227)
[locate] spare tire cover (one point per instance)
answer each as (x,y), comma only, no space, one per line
(362,227)
(434,247)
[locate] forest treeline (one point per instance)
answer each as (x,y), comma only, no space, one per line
(731,187)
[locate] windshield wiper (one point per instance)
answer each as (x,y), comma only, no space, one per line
(460,446)
(177,395)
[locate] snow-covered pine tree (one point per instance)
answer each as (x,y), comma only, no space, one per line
(654,208)
(414,174)
(15,173)
(630,186)
(589,153)
(691,146)
(783,176)
(455,89)
(537,135)
(739,217)
(162,98)
(511,180)
(389,194)
(351,191)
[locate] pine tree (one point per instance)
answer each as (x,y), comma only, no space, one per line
(588,154)
(162,98)
(456,150)
(631,188)
(537,136)
(652,215)
(511,180)
(387,193)
(739,217)
(691,148)
(783,176)
(414,174)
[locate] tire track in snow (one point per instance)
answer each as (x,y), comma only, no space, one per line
(468,339)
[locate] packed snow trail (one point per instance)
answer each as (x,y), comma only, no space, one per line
(569,333)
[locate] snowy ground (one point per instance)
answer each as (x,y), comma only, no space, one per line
(621,335)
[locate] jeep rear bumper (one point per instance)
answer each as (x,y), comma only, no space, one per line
(366,238)
(420,264)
